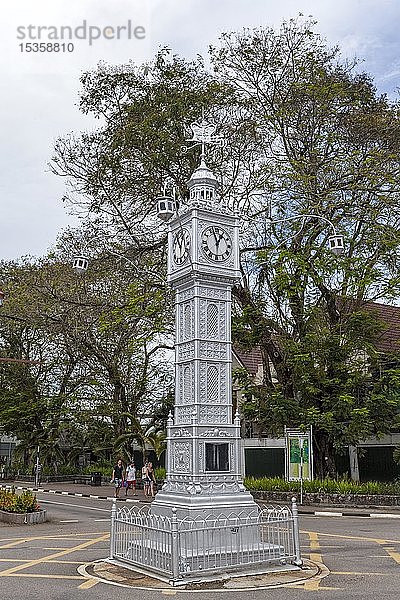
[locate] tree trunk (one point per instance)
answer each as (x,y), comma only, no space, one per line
(353,459)
(324,458)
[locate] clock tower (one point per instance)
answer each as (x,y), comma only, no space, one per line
(204,475)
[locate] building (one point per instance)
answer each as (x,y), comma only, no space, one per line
(265,456)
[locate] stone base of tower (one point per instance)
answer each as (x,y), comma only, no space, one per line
(204,506)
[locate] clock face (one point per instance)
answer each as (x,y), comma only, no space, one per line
(216,243)
(181,246)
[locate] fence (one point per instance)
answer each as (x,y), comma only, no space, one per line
(181,549)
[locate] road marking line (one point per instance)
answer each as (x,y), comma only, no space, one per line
(314,542)
(77,536)
(20,541)
(385,516)
(355,537)
(100,520)
(40,576)
(75,505)
(357,573)
(15,560)
(392,553)
(314,557)
(325,513)
(313,584)
(88,584)
(70,521)
(37,561)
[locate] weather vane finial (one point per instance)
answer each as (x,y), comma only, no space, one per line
(204,133)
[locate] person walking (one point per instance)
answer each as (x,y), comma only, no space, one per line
(145,479)
(131,478)
(150,479)
(118,476)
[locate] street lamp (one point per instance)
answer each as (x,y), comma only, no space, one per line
(166,207)
(80,264)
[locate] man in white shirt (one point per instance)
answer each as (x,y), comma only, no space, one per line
(131,478)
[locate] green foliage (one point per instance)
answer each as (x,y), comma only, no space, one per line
(105,470)
(328,486)
(18,503)
(160,473)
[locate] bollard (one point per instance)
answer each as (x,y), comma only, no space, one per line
(112,531)
(296,534)
(174,545)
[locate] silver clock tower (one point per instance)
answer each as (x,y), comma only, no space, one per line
(204,474)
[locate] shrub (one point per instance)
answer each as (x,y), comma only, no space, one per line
(159,473)
(105,470)
(327,486)
(18,503)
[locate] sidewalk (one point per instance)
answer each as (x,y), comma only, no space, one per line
(106,491)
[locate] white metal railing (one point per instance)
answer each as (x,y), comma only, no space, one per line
(176,549)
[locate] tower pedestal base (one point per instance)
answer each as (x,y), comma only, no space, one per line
(204,506)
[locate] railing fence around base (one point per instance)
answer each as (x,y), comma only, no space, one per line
(177,549)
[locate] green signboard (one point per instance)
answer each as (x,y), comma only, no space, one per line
(298,455)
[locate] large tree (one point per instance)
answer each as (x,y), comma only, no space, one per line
(99,340)
(306,134)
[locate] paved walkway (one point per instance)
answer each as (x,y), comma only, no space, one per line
(106,492)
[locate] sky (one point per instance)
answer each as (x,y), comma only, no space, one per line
(40,90)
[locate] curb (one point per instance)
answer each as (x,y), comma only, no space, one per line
(62,493)
(316,513)
(328,513)
(130,578)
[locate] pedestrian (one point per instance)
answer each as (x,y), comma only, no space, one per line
(145,479)
(131,478)
(118,476)
(150,479)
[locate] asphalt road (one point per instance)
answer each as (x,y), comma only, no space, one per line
(40,562)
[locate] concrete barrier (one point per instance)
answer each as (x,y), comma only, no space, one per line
(33,518)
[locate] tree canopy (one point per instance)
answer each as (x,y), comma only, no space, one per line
(310,148)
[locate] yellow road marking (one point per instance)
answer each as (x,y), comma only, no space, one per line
(168,592)
(313,584)
(54,562)
(88,584)
(314,542)
(393,554)
(20,541)
(354,537)
(38,561)
(40,576)
(356,573)
(77,536)
(314,557)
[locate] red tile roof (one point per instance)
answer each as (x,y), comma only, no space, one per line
(250,359)
(388,339)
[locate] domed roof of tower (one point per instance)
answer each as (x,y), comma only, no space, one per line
(202,176)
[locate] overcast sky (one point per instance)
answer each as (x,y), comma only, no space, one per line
(40,90)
